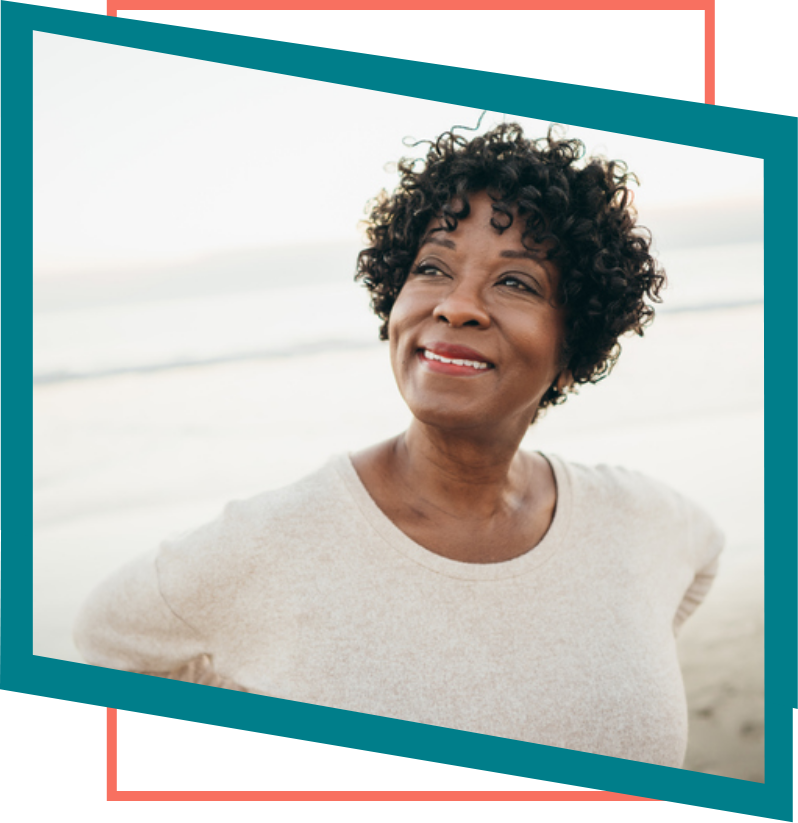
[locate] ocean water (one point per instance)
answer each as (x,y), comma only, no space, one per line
(163,329)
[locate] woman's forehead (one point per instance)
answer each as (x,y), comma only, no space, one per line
(484,211)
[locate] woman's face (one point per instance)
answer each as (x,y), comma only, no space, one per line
(476,334)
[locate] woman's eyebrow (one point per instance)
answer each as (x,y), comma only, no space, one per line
(535,256)
(433,237)
(527,253)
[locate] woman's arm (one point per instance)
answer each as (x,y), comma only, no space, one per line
(707,542)
(128,624)
(695,595)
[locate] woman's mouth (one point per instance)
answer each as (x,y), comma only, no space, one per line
(452,364)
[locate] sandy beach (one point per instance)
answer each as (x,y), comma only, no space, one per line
(120,462)
(723,657)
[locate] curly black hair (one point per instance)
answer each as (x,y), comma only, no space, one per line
(581,213)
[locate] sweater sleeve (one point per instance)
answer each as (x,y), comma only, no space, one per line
(127,624)
(706,542)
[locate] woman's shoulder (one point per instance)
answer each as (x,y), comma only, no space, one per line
(620,498)
(622,486)
(315,495)
(246,528)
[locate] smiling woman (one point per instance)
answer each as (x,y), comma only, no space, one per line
(486,287)
(472,285)
(445,576)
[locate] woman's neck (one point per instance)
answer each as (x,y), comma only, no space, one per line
(464,474)
(459,497)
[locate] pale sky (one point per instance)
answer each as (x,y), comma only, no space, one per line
(142,157)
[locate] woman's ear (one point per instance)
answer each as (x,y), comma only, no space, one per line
(564,381)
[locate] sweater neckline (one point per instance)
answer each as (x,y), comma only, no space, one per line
(417,553)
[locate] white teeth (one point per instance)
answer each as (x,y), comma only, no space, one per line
(474,364)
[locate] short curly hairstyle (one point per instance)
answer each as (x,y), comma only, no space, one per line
(581,213)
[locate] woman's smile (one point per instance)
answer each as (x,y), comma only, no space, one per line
(477,303)
(457,361)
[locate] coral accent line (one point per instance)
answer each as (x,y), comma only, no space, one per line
(264,798)
(113,795)
(409,5)
(709,53)
(110,751)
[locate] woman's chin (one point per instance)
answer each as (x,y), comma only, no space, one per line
(450,416)
(459,418)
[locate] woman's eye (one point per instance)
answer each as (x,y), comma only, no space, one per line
(433,271)
(516,283)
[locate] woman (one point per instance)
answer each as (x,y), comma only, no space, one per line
(445,576)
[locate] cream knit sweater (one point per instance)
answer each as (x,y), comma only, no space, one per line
(310,593)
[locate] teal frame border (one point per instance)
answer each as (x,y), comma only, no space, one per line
(774,138)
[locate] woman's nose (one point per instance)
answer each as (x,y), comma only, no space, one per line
(462,306)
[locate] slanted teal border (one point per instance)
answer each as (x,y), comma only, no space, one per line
(771,137)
